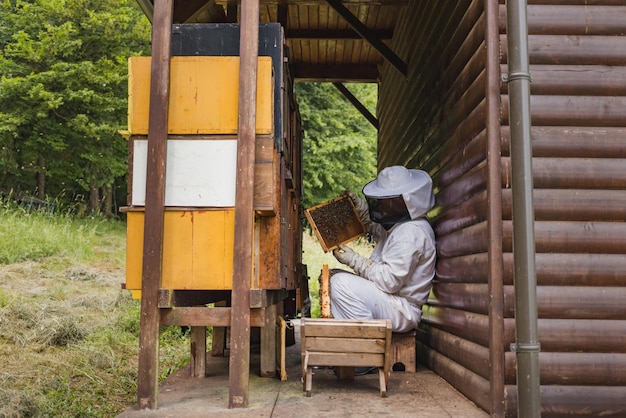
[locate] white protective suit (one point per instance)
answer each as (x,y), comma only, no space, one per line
(395,281)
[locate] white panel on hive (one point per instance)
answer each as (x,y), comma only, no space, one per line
(199,173)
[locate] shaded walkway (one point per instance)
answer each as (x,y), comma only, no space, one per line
(422,394)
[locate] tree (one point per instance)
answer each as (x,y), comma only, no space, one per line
(339,145)
(63,93)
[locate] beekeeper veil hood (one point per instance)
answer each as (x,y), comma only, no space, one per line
(415,187)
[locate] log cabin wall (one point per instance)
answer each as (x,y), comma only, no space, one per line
(577,52)
(437,120)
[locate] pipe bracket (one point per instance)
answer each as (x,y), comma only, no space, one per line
(516,75)
(525,347)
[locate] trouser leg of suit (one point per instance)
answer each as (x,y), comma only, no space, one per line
(352,297)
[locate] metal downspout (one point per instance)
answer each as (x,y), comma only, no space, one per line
(527,345)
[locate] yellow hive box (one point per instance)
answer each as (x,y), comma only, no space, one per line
(197,249)
(204,94)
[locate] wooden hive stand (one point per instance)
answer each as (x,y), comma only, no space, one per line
(342,342)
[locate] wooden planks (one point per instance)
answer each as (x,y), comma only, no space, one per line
(341,342)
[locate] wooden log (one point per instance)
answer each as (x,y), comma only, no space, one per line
(573,142)
(571,19)
(576,369)
(572,335)
(572,204)
(470,297)
(455,161)
(472,125)
(473,386)
(473,182)
(473,239)
(472,356)
(578,302)
(573,269)
(575,80)
(572,50)
(570,110)
(573,237)
(469,212)
(556,302)
(467,41)
(569,401)
(578,173)
(466,325)
(553,269)
(471,268)
(460,83)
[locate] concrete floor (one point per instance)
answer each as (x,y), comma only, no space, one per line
(420,394)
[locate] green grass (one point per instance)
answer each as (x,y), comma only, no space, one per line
(68,332)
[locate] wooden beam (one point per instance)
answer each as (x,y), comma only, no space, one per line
(282,15)
(148,374)
(297,34)
(356,103)
(147,8)
(261,298)
(196,316)
(185,9)
(244,213)
(366,34)
(367,73)
(231,11)
(170,298)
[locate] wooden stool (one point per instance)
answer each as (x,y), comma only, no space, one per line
(403,350)
(343,342)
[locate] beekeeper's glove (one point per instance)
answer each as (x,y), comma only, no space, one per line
(361,207)
(361,265)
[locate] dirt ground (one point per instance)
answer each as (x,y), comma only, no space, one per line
(422,394)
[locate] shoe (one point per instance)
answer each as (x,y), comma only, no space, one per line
(362,371)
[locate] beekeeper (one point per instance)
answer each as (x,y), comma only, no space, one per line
(394,282)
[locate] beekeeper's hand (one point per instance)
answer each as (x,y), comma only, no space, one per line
(345,255)
(361,265)
(360,205)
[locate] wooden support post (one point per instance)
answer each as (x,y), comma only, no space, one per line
(268,343)
(148,374)
(197,358)
(244,215)
(218,337)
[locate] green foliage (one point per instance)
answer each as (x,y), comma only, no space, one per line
(339,146)
(63,91)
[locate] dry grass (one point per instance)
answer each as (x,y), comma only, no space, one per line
(68,332)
